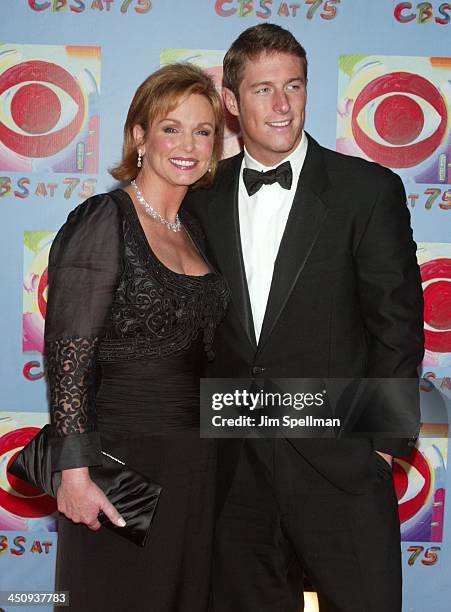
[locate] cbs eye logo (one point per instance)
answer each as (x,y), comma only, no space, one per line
(413,485)
(18,497)
(399,119)
(35,282)
(49,108)
(42,293)
(420,484)
(436,278)
(40,98)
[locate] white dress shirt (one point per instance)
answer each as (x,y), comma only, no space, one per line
(263,217)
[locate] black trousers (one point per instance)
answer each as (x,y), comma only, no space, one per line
(282,520)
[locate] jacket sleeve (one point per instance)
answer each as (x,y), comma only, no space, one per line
(83,273)
(391,297)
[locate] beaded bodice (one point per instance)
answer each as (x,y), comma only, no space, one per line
(156,312)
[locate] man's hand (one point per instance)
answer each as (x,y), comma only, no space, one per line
(388,458)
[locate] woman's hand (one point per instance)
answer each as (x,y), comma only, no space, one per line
(81,500)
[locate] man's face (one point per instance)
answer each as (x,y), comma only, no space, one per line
(271,106)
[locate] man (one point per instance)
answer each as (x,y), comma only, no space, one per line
(321,265)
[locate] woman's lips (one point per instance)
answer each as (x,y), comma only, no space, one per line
(183,163)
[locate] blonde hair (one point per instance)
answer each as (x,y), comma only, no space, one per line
(160,93)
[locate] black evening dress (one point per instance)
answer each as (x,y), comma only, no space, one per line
(126,343)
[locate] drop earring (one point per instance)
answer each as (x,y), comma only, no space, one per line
(140,156)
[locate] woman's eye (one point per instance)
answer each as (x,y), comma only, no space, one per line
(169,130)
(204,132)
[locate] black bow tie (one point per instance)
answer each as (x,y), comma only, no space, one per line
(253,179)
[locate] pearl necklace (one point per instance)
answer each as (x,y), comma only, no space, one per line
(175,226)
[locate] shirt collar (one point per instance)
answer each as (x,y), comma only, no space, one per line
(296,158)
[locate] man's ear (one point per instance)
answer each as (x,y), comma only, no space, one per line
(230,101)
(139,137)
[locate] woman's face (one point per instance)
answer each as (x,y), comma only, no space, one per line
(177,148)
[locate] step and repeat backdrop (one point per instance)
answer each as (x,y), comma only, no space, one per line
(379,88)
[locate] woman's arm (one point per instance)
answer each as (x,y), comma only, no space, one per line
(85,264)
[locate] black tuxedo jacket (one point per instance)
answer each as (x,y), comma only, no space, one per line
(345,299)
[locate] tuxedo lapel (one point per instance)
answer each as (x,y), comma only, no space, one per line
(224,230)
(307,214)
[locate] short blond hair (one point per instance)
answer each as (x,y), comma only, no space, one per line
(160,93)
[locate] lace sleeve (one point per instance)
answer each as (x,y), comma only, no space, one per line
(84,270)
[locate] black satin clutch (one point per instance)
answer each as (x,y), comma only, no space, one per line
(132,494)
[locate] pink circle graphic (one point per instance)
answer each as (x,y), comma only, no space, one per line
(399,119)
(35,108)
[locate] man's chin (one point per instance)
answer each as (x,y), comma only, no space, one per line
(284,149)
(285,144)
(275,149)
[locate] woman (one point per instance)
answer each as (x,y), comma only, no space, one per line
(131,313)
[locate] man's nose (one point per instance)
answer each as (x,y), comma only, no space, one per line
(281,104)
